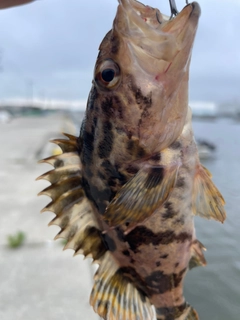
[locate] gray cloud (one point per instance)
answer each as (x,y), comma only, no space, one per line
(54,43)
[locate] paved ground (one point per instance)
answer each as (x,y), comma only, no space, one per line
(37,280)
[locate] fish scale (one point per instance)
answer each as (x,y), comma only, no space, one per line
(125,191)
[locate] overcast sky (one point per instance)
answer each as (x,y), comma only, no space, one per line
(51,45)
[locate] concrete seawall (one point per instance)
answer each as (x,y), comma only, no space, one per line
(37,281)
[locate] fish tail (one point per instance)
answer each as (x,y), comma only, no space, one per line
(183,312)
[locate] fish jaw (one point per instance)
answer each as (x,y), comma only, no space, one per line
(153,53)
(156,46)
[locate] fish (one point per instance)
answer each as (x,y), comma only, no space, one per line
(126,190)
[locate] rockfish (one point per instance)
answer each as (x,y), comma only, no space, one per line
(126,190)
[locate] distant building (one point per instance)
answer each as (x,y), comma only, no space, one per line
(204,109)
(46,104)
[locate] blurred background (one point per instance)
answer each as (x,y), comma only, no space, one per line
(47,54)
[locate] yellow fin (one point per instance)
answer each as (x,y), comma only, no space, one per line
(74,213)
(141,196)
(207,200)
(192,315)
(197,258)
(115,297)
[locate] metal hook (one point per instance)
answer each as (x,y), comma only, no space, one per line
(174,10)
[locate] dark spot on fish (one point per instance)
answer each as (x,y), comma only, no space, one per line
(92,98)
(156,157)
(138,96)
(130,145)
(155,177)
(144,236)
(95,121)
(109,242)
(164,256)
(135,149)
(109,169)
(94,245)
(183,236)
(131,275)
(101,175)
(100,197)
(126,253)
(111,172)
(176,264)
(140,152)
(107,107)
(88,172)
(132,169)
(58,163)
(161,282)
(158,263)
(143,101)
(115,44)
(180,182)
(175,145)
(105,146)
(170,212)
(180,221)
(120,234)
(87,152)
(171,313)
(79,144)
(112,182)
(118,107)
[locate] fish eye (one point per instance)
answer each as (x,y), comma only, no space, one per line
(107,74)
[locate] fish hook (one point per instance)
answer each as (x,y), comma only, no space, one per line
(174,10)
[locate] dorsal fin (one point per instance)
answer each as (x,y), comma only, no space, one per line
(74,213)
(115,297)
(207,200)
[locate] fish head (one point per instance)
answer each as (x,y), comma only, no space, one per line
(142,70)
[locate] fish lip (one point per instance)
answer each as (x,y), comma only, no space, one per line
(151,22)
(191,12)
(196,9)
(147,31)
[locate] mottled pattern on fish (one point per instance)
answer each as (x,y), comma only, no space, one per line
(125,191)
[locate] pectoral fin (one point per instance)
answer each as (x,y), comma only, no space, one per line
(197,258)
(207,200)
(141,196)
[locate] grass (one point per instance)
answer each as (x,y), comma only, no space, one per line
(16,240)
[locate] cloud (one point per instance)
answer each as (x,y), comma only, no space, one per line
(54,43)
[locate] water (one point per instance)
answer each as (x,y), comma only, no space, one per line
(215,290)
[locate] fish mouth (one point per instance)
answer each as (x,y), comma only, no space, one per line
(151,34)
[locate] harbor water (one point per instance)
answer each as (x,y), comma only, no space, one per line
(215,289)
